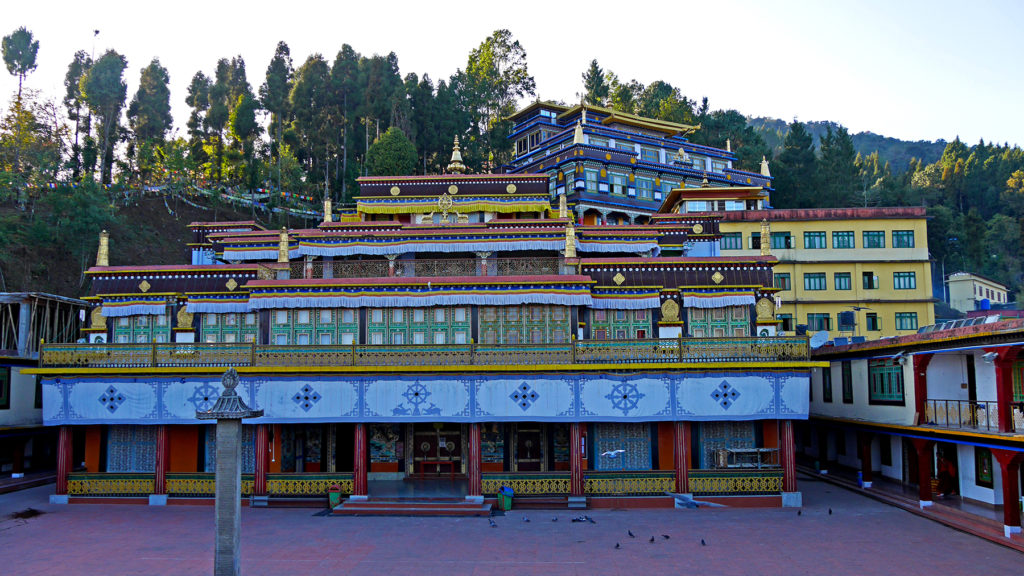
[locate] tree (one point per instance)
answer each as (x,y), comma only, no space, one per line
(795,169)
(393,154)
(838,173)
(244,130)
(274,96)
(74,103)
(310,100)
(105,92)
(198,99)
(595,89)
(20,50)
(218,114)
(149,113)
(496,77)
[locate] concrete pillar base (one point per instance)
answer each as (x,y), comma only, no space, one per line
(158,499)
(823,472)
(17,474)
(58,498)
(792,500)
(924,503)
(1009,531)
(867,484)
(358,497)
(475,499)
(259,502)
(577,502)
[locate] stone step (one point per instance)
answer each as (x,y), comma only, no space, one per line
(412,508)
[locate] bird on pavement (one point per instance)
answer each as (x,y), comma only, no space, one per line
(492,522)
(829,511)
(665,536)
(799,512)
(702,542)
(651,540)
(617,546)
(630,532)
(554,519)
(525,519)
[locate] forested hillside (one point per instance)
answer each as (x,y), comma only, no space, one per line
(280,140)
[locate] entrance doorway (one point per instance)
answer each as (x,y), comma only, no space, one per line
(437,450)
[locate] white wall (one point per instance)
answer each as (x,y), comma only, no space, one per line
(23,400)
(895,471)
(946,374)
(968,486)
(860,409)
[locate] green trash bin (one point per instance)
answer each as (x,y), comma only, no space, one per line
(505,498)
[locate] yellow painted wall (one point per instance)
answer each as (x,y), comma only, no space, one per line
(885,301)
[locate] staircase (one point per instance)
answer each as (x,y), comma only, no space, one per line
(412,507)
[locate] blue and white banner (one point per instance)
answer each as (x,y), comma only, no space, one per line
(598,397)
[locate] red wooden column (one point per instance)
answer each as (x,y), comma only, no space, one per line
(921,362)
(1009,469)
(475,487)
(359,466)
(681,455)
(864,440)
(162,453)
(262,464)
(18,469)
(64,464)
(575,460)
(787,456)
(1004,360)
(923,448)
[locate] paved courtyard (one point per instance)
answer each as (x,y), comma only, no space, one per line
(861,537)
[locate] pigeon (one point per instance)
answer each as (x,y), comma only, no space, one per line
(630,532)
(829,511)
(492,522)
(665,536)
(702,542)
(651,540)
(799,512)
(589,519)
(525,519)
(554,519)
(579,519)
(612,453)
(617,546)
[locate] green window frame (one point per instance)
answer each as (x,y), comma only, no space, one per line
(645,188)
(902,238)
(814,241)
(870,281)
(843,281)
(618,183)
(906,320)
(847,375)
(625,146)
(874,239)
(782,240)
(597,141)
(826,384)
(819,321)
(885,382)
(731,241)
(5,387)
(815,281)
(1018,381)
(904,280)
(843,240)
(783,281)
(871,322)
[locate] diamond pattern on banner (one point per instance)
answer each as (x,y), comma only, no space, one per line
(112,399)
(306,398)
(524,396)
(725,394)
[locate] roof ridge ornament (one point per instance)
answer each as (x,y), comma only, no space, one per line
(456,166)
(764,168)
(577,134)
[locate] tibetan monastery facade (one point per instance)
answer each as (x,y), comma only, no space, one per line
(463,327)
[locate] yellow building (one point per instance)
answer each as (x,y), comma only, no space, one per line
(870,263)
(967,291)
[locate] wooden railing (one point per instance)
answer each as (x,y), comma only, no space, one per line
(418,268)
(649,351)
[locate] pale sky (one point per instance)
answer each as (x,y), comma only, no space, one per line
(916,70)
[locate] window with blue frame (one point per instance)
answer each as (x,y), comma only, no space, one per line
(645,188)
(731,241)
(591,180)
(618,183)
(649,154)
(596,141)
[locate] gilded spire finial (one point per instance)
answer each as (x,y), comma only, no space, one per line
(766,238)
(728,145)
(563,208)
(282,246)
(570,240)
(103,253)
(764,168)
(456,166)
(328,217)
(577,135)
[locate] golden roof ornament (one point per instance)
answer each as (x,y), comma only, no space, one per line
(728,145)
(764,168)
(577,135)
(563,208)
(103,252)
(328,217)
(570,241)
(282,246)
(704,183)
(766,238)
(456,166)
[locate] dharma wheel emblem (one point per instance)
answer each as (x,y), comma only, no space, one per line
(444,203)
(395,190)
(698,228)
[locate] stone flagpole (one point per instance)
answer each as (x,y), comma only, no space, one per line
(228,411)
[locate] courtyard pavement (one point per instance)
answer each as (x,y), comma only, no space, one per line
(861,537)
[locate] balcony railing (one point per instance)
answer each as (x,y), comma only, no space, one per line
(650,351)
(425,268)
(964,414)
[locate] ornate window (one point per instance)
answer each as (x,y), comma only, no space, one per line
(885,381)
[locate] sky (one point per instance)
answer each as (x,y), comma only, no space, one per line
(915,70)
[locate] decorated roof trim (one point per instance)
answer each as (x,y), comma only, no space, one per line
(134,305)
(419,281)
(419,296)
(218,303)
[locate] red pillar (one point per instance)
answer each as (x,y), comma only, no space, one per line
(575,460)
(473,465)
(64,464)
(787,456)
(18,468)
(681,455)
(921,362)
(923,448)
(359,466)
(1009,469)
(262,464)
(162,453)
(1004,385)
(864,439)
